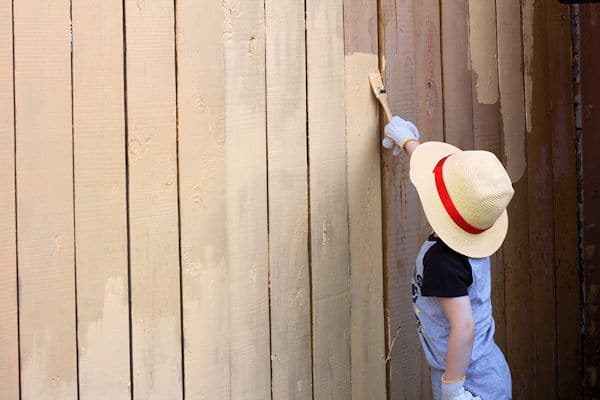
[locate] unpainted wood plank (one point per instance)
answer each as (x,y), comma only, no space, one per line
(100,200)
(246,194)
(291,360)
(153,214)
(401,206)
(487,123)
(458,98)
(589,25)
(540,195)
(564,155)
(44,160)
(519,333)
(9,330)
(430,113)
(205,277)
(328,200)
(364,202)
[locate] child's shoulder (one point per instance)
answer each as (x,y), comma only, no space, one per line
(446,273)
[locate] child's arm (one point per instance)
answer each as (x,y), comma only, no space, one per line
(460,342)
(410,146)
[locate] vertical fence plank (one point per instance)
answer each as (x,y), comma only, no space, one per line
(487,122)
(205,284)
(9,335)
(100,200)
(401,206)
(153,219)
(328,200)
(589,25)
(364,202)
(512,47)
(288,201)
(540,194)
(458,101)
(45,200)
(246,158)
(430,113)
(564,154)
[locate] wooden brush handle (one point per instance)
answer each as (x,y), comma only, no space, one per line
(382,99)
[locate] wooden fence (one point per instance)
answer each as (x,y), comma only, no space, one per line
(194,204)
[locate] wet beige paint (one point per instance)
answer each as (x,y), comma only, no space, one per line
(528,41)
(512,95)
(104,344)
(483,51)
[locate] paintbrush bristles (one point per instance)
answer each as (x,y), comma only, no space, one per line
(379,91)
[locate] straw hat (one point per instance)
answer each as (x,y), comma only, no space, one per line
(464,195)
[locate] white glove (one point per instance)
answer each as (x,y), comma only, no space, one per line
(398,132)
(456,391)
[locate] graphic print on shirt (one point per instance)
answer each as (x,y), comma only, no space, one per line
(417,281)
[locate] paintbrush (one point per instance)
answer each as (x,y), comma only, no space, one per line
(379,91)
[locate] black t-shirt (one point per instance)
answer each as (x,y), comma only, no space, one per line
(446,273)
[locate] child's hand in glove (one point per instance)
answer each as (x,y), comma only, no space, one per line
(456,391)
(398,132)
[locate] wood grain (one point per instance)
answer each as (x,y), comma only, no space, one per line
(564,155)
(202,185)
(407,373)
(457,94)
(246,193)
(9,330)
(541,210)
(364,202)
(487,123)
(44,181)
(100,200)
(288,201)
(153,213)
(589,23)
(328,200)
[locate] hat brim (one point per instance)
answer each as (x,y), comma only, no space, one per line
(422,162)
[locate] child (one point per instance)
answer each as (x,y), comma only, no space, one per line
(464,195)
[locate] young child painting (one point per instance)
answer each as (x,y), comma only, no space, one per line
(464,195)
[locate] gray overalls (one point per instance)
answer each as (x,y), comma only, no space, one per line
(488,375)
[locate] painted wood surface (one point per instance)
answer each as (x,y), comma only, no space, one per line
(367,340)
(291,357)
(9,313)
(201,200)
(330,253)
(153,200)
(100,201)
(44,182)
(202,185)
(246,194)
